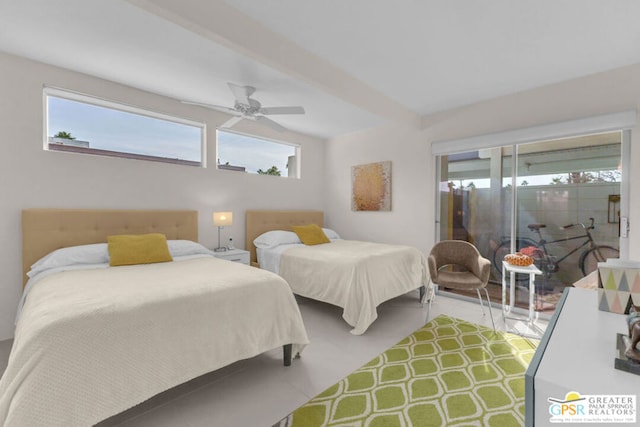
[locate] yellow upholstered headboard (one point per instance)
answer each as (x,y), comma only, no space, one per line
(45,230)
(258,222)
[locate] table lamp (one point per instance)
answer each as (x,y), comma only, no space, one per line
(220,220)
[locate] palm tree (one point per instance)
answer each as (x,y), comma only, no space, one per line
(273,170)
(556,181)
(64,135)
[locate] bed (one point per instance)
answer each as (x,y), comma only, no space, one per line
(356,276)
(93,342)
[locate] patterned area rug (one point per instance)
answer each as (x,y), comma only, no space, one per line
(448,373)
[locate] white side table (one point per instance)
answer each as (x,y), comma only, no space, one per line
(235,255)
(532,271)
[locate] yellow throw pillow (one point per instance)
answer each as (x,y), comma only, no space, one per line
(130,249)
(310,234)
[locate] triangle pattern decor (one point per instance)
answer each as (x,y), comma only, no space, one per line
(616,287)
(623,285)
(617,276)
(636,285)
(611,281)
(603,304)
(613,301)
(448,373)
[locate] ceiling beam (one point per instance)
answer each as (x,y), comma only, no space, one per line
(225,25)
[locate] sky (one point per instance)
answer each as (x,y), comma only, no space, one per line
(115,130)
(253,153)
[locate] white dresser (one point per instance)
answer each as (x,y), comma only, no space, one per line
(576,354)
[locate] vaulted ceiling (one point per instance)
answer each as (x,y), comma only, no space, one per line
(352,64)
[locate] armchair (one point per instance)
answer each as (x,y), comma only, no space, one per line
(457,264)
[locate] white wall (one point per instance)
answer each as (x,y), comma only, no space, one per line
(31,177)
(603,93)
(412,218)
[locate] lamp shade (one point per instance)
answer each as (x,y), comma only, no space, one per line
(222,219)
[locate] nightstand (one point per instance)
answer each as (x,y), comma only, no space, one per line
(235,255)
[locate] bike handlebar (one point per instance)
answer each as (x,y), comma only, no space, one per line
(590,227)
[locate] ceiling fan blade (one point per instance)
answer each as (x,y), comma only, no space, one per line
(241,93)
(232,121)
(282,110)
(271,123)
(214,107)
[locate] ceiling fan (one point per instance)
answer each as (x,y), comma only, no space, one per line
(246,107)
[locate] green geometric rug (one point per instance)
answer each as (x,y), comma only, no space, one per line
(447,373)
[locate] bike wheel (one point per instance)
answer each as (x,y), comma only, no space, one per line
(589,259)
(505,249)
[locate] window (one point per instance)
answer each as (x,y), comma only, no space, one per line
(83,124)
(497,198)
(251,154)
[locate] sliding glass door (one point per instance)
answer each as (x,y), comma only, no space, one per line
(474,205)
(566,194)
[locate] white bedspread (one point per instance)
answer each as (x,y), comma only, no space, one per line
(356,276)
(92,343)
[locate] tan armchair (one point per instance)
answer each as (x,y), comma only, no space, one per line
(456,264)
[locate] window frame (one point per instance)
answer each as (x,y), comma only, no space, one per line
(296,146)
(623,122)
(125,108)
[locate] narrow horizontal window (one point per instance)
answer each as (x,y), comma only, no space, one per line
(250,154)
(83,124)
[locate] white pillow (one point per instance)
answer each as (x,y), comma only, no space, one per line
(186,247)
(97,253)
(274,238)
(331,235)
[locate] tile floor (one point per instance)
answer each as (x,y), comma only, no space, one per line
(261,391)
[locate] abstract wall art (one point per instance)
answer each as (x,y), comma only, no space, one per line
(371,187)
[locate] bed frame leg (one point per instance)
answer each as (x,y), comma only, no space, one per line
(423,290)
(286,349)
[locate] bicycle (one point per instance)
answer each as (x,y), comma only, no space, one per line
(548,263)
